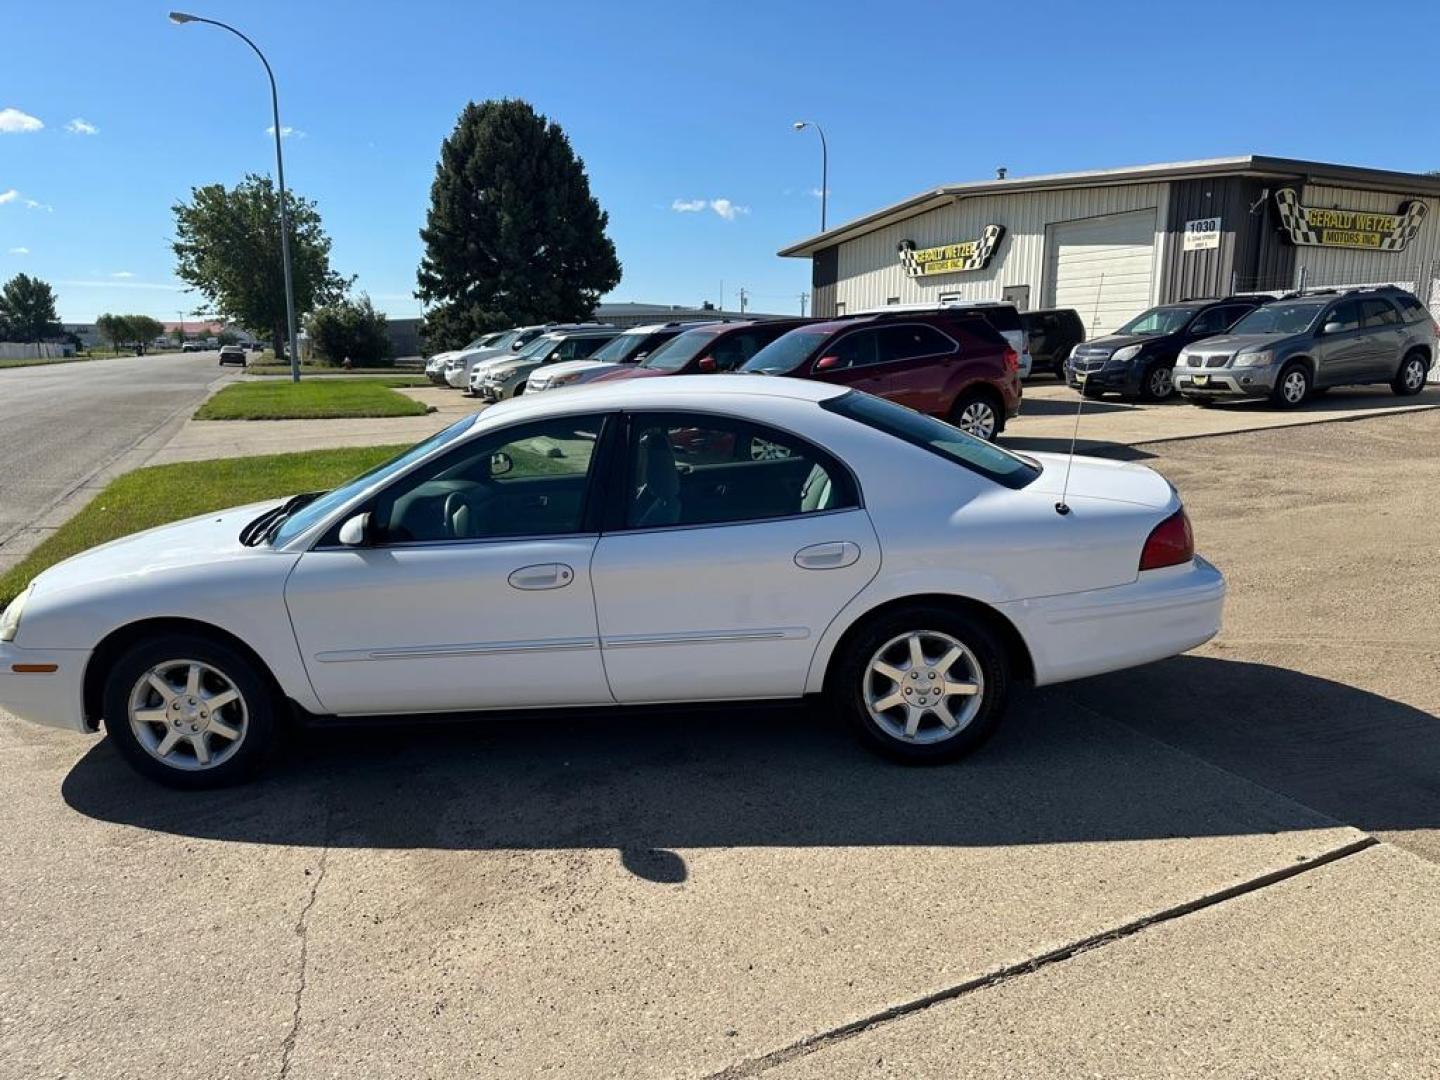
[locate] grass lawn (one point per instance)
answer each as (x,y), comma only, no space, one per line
(309,400)
(164,493)
(265,364)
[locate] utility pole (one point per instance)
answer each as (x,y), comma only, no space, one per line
(742,300)
(804,296)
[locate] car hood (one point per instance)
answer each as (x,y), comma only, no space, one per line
(569,367)
(510,367)
(1111,342)
(630,371)
(1101,478)
(194,542)
(482,354)
(1233,343)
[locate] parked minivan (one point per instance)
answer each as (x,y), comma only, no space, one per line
(956,367)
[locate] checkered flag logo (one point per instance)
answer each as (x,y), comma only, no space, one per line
(1293,217)
(976,260)
(1411,215)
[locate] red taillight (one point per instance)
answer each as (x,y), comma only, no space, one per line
(1169,543)
(1012,359)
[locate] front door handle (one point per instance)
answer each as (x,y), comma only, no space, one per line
(542,576)
(831,556)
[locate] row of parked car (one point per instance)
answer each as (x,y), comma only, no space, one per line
(964,361)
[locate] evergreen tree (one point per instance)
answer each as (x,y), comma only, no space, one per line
(513,235)
(27,310)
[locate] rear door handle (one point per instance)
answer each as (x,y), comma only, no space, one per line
(830,556)
(541,576)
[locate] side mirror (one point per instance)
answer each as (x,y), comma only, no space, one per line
(516,346)
(356,531)
(706,365)
(827,363)
(501,463)
(1333,328)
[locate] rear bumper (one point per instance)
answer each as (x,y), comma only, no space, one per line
(1161,614)
(52,698)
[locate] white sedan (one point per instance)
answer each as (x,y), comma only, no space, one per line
(703,538)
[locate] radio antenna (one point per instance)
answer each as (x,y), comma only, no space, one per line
(1062,507)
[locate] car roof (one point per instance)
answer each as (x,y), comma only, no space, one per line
(663,394)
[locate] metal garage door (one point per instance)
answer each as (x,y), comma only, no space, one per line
(1102,267)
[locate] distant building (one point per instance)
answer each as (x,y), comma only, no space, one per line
(643,314)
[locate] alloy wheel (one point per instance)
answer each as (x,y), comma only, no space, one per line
(1162,381)
(1414,374)
(978,419)
(188,715)
(1293,387)
(923,687)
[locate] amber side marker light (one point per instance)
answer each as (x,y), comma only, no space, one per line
(34,669)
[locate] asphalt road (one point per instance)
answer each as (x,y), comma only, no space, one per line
(1169,872)
(63,424)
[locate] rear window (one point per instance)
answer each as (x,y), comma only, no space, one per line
(936,436)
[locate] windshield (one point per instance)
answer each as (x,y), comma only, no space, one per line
(786,353)
(620,349)
(679,351)
(537,348)
(1279,319)
(316,511)
(938,437)
(1160,320)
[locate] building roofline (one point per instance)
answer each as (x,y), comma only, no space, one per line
(1247,165)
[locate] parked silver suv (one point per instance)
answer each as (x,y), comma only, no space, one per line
(1309,342)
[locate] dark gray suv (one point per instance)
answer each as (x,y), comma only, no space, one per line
(1308,342)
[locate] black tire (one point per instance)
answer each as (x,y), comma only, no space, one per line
(1158,382)
(851,679)
(1093,394)
(257,716)
(1410,379)
(1292,386)
(976,410)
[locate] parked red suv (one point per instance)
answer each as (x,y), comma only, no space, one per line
(709,348)
(956,367)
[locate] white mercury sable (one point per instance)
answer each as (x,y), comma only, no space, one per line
(704,538)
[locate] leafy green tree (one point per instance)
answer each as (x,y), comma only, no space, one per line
(352,328)
(227,246)
(144,330)
(513,235)
(114,329)
(27,310)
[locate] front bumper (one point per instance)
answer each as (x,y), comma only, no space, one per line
(1161,614)
(1122,378)
(456,378)
(41,696)
(1230,382)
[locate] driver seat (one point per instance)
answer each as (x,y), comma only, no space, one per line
(657,495)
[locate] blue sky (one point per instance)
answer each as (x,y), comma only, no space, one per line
(667,103)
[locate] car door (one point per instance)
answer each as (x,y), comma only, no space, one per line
(734,547)
(1342,346)
(474,589)
(1384,337)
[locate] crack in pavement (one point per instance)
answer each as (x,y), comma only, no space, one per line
(811,1043)
(302,931)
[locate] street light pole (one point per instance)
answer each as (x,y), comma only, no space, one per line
(801,125)
(180,18)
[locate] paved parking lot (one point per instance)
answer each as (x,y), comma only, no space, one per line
(743,892)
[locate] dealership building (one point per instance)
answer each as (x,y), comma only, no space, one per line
(1113,242)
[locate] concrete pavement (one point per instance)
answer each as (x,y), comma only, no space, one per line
(68,429)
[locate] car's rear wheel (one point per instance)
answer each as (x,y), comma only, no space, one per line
(1158,383)
(1292,387)
(1410,379)
(922,685)
(190,711)
(975,413)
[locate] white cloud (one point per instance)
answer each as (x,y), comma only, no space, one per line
(817,193)
(286,132)
(122,274)
(9,196)
(13,122)
(727,209)
(724,207)
(20,251)
(35,204)
(81,126)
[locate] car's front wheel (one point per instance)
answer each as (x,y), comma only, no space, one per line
(190,711)
(1410,379)
(922,685)
(1158,383)
(1292,387)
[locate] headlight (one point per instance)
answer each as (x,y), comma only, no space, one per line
(1258,358)
(1127,353)
(10,617)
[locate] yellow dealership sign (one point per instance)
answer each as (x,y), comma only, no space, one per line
(950,258)
(1315,226)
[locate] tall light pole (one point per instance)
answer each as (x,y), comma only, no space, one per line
(180,18)
(801,125)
